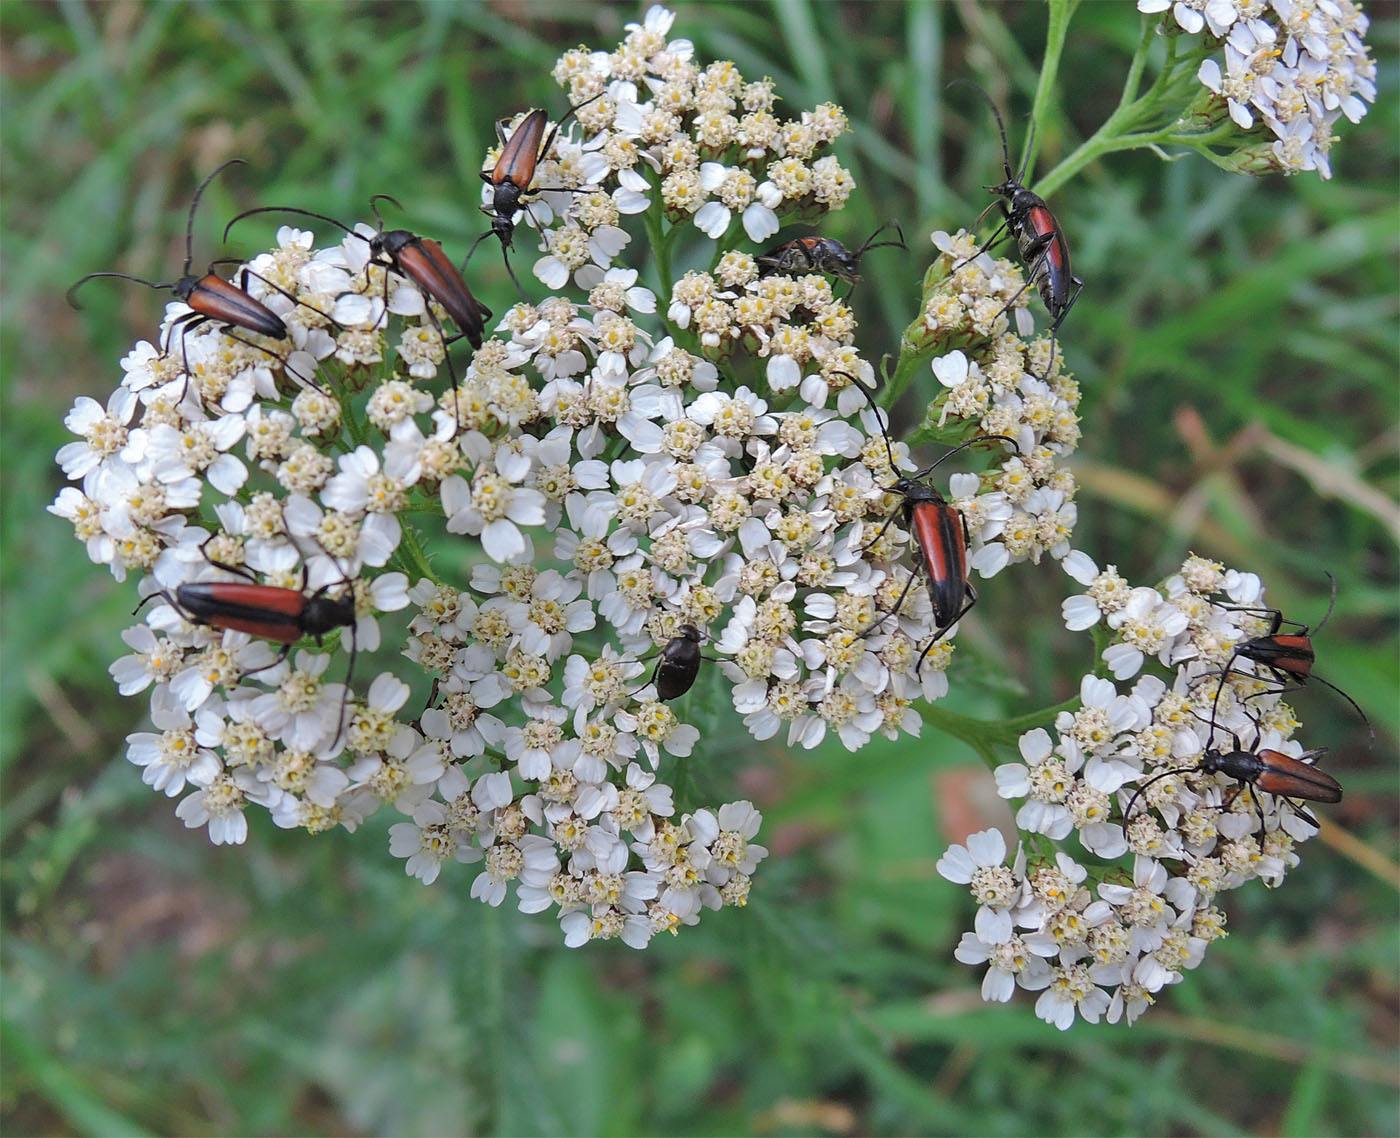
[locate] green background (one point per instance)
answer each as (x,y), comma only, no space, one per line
(1236,343)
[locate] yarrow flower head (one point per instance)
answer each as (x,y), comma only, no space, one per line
(1149,778)
(1286,72)
(612,488)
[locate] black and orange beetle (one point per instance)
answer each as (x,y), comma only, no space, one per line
(211,298)
(824,255)
(1043,248)
(512,177)
(940,533)
(270,612)
(417,259)
(1261,769)
(1287,656)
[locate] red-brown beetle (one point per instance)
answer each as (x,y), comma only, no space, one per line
(270,612)
(211,298)
(1041,241)
(940,533)
(1262,769)
(514,172)
(417,259)
(1287,656)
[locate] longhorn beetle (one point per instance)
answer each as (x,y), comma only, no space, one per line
(1041,241)
(510,179)
(417,259)
(1262,769)
(939,529)
(824,255)
(211,298)
(1288,656)
(271,612)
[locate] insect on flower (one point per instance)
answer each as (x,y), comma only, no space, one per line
(510,179)
(1287,656)
(417,259)
(271,612)
(941,533)
(1261,769)
(1041,241)
(211,298)
(679,664)
(824,255)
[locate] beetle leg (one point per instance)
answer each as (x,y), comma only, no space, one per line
(940,633)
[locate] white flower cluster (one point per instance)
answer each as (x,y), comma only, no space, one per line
(620,485)
(1296,65)
(1008,387)
(1103,948)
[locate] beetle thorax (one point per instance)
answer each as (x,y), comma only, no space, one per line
(323,613)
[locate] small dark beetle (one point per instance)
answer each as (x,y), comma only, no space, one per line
(824,255)
(679,664)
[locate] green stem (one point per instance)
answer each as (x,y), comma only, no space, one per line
(411,557)
(987,736)
(661,249)
(903,375)
(1131,114)
(1061,12)
(1135,68)
(352,425)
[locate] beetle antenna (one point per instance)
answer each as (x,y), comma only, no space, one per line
(1215,703)
(373,204)
(1330,605)
(879,422)
(514,279)
(573,110)
(472,250)
(1138,793)
(287,209)
(1005,149)
(963,446)
(1355,706)
(870,243)
(194,204)
(123,276)
(152,596)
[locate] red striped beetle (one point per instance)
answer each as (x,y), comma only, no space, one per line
(1041,241)
(824,255)
(1287,656)
(941,534)
(211,298)
(510,179)
(1261,769)
(270,612)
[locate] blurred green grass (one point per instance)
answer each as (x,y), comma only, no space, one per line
(1236,344)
